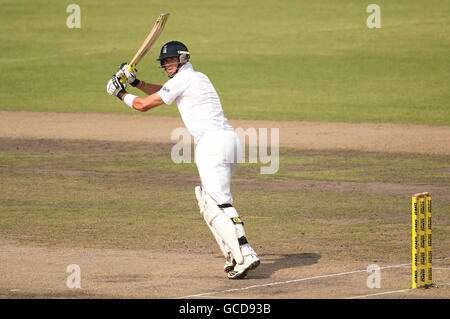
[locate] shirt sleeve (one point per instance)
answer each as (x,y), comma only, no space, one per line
(172,89)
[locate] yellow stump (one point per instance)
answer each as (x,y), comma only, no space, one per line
(422,239)
(429,239)
(414,231)
(421,243)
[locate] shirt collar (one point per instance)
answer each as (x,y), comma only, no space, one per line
(187,66)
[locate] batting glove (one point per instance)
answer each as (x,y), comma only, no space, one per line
(114,87)
(124,71)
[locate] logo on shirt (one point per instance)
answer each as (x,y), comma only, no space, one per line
(166,89)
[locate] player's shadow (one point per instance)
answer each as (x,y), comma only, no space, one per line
(270,263)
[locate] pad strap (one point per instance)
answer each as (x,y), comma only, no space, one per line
(242,240)
(225,205)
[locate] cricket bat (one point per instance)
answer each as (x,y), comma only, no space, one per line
(149,41)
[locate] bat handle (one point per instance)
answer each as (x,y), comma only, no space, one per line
(130,68)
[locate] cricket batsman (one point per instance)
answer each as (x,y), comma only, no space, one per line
(217,146)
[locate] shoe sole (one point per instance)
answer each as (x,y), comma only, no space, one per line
(244,273)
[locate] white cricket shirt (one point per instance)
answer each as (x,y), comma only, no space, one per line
(197,101)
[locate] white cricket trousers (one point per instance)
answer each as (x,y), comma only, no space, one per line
(217,156)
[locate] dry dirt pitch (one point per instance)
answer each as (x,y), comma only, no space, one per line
(35,271)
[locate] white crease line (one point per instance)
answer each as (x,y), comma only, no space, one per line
(207,294)
(288,281)
(380,293)
(215,297)
(390,292)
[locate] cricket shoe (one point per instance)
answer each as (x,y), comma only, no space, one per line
(240,271)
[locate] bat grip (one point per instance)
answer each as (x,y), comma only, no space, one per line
(130,68)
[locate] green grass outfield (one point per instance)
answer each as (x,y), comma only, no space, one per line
(283,60)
